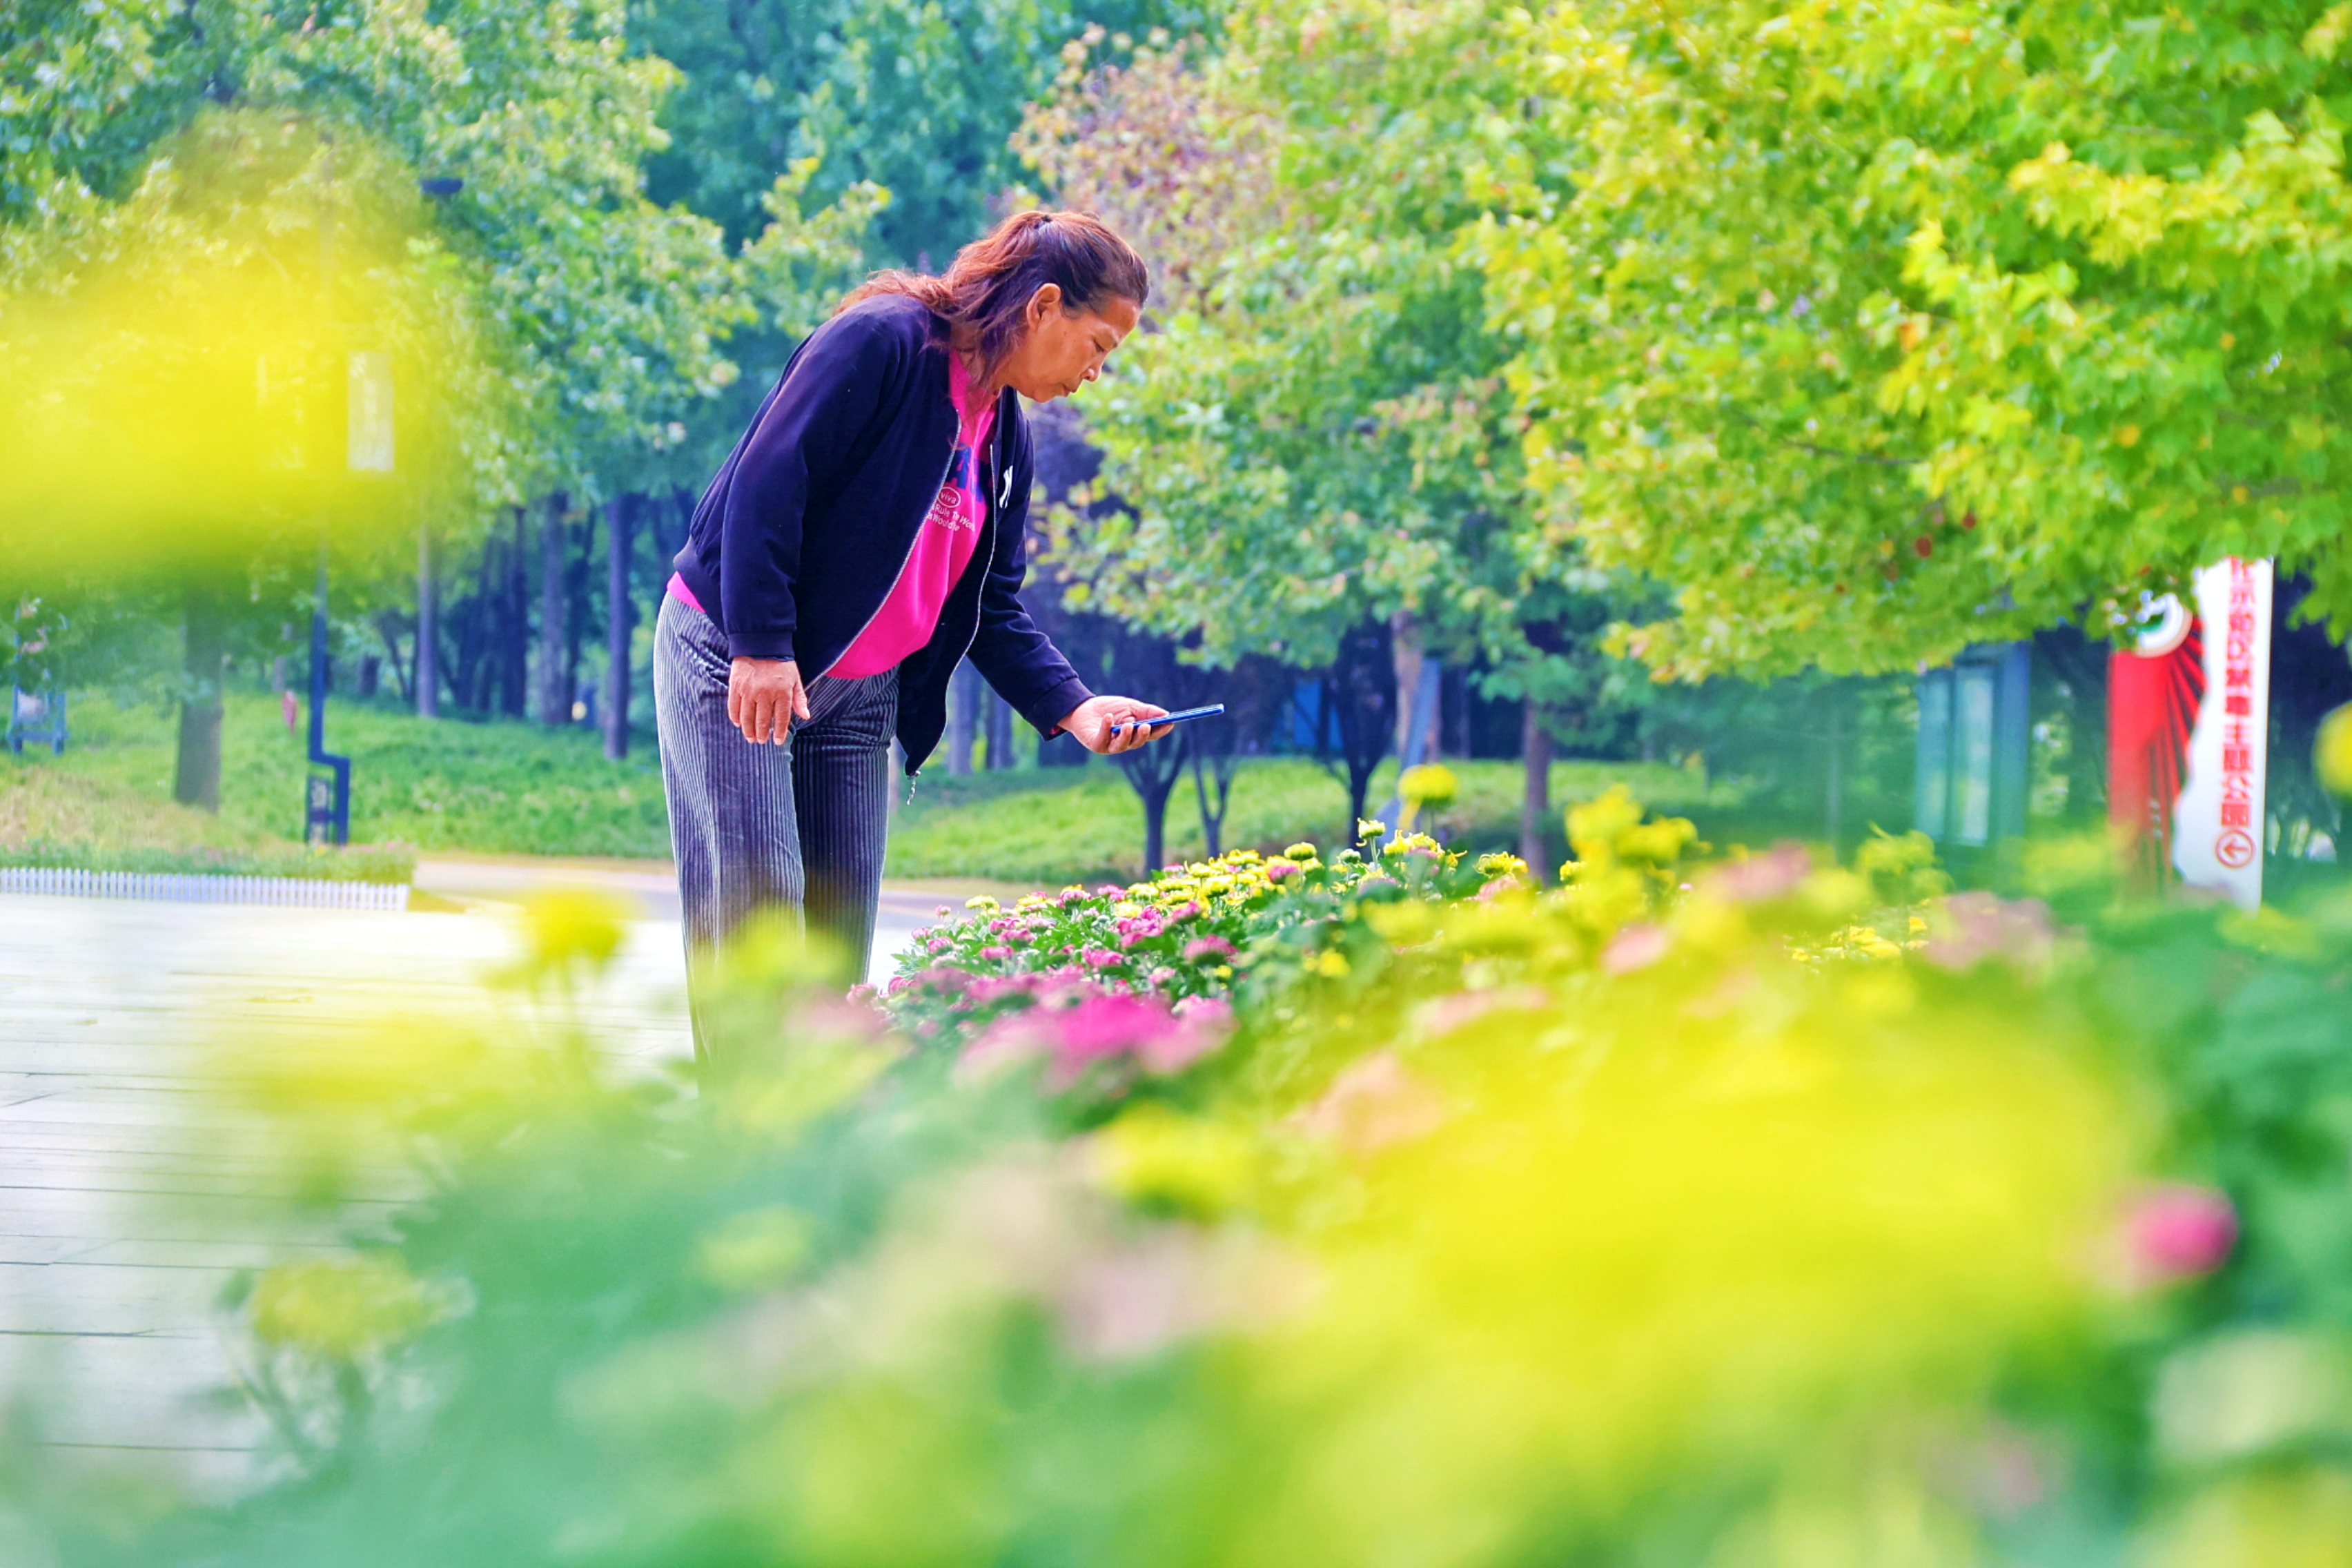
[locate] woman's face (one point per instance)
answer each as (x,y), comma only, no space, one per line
(1061,351)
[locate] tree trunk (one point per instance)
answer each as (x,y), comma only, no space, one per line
(554,700)
(472,676)
(1360,694)
(1405,656)
(1833,808)
(198,779)
(999,732)
(577,567)
(1420,701)
(1155,832)
(1153,771)
(1535,806)
(1213,781)
(963,709)
(514,625)
(387,628)
(428,630)
(620,622)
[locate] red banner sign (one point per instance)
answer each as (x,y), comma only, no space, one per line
(2187,735)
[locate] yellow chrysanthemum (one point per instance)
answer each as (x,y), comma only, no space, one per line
(1431,785)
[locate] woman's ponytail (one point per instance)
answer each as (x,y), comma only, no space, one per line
(987,289)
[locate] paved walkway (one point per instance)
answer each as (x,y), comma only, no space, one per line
(131,1185)
(489,882)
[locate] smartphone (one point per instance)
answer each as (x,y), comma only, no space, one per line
(1182,716)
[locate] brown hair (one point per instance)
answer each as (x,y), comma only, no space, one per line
(989,285)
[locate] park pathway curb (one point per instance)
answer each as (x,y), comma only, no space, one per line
(181,887)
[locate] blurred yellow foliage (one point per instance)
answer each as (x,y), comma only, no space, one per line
(573,929)
(1622,865)
(1696,1234)
(1900,868)
(342,1312)
(1426,790)
(1158,1156)
(2297,1518)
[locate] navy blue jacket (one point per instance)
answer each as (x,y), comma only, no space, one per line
(811,519)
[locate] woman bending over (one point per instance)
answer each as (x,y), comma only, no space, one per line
(865,535)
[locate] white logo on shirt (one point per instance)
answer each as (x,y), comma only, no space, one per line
(947,510)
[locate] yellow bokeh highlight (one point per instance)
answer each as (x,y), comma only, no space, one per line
(2332,757)
(258,349)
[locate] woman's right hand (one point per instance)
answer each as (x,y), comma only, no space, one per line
(763,697)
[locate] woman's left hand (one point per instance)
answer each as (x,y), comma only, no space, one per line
(1091,722)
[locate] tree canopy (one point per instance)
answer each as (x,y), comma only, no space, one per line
(1316,429)
(915,96)
(1867,331)
(1877,331)
(569,332)
(1317,432)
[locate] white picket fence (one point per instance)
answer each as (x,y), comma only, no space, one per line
(183,888)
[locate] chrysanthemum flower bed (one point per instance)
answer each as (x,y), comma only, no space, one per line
(1710,1208)
(1145,971)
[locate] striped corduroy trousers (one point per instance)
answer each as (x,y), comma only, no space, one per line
(796,830)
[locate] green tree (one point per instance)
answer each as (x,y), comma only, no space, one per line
(1318,432)
(917,97)
(173,416)
(87,86)
(592,319)
(1875,332)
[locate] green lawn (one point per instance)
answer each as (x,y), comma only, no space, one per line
(511,787)
(56,815)
(504,787)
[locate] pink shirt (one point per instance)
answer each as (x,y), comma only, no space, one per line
(943,548)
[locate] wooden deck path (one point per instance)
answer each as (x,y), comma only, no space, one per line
(126,1201)
(129,1195)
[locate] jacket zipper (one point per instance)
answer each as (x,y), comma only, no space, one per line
(996,480)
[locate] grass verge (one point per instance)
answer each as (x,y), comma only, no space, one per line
(55,812)
(508,787)
(505,787)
